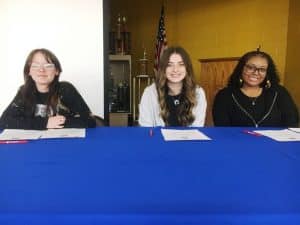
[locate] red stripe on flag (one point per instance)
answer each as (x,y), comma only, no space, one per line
(161,41)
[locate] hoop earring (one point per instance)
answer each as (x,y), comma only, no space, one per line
(241,82)
(268,84)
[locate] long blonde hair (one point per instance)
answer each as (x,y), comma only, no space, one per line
(188,93)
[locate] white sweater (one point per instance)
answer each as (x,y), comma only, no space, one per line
(149,109)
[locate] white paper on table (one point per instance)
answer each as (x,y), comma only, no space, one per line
(18,134)
(280,135)
(63,133)
(183,135)
(295,129)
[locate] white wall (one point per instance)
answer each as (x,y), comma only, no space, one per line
(71,29)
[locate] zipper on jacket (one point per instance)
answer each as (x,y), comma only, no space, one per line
(249,115)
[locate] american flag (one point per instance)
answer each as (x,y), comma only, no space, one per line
(161,43)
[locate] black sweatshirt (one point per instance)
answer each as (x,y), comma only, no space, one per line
(273,108)
(70,104)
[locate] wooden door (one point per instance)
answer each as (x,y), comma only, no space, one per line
(213,77)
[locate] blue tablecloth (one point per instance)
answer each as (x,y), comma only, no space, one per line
(125,176)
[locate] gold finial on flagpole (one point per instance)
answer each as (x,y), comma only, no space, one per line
(258,48)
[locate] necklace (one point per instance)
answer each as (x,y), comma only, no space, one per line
(253,101)
(252,96)
(176,101)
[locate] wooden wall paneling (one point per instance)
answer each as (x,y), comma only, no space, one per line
(213,77)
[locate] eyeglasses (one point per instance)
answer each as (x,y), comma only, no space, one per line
(46,66)
(252,69)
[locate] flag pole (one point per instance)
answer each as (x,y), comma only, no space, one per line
(161,40)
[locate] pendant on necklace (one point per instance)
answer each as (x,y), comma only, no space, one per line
(176,102)
(253,101)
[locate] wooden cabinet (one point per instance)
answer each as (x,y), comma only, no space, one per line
(213,77)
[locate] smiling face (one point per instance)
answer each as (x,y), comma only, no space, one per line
(176,70)
(255,71)
(42,71)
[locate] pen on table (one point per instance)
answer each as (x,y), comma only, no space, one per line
(151,132)
(296,130)
(251,133)
(13,142)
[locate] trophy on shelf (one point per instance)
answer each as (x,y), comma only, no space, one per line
(143,62)
(140,81)
(119,38)
(118,88)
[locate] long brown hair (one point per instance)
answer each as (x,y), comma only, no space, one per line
(29,88)
(188,93)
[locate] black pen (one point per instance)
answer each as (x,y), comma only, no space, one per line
(296,130)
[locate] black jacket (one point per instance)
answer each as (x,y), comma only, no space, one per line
(273,108)
(70,104)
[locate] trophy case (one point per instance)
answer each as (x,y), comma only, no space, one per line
(119,81)
(119,91)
